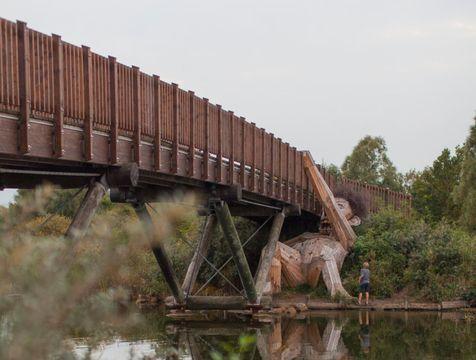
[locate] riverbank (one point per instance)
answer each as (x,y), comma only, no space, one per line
(387,304)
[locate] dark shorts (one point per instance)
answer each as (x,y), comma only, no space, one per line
(365,287)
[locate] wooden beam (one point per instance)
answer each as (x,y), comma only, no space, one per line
(175,131)
(113,103)
(23,50)
(206,150)
(271,171)
(221,302)
(197,259)
(231,235)
(88,207)
(268,253)
(136,111)
(253,163)
(160,254)
(88,104)
(343,230)
(231,167)
(158,123)
(58,146)
(191,149)
(219,169)
(243,162)
(263,162)
(280,169)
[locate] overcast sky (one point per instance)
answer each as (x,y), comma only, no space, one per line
(319,74)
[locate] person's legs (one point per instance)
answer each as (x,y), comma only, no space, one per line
(360,297)
(366,298)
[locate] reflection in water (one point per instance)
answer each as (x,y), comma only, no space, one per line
(323,335)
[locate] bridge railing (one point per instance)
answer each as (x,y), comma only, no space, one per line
(46,78)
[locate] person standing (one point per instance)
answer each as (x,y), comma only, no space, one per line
(364,281)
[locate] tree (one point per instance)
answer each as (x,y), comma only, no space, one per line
(432,188)
(465,192)
(370,163)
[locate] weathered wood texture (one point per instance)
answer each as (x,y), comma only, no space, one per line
(121,114)
(343,230)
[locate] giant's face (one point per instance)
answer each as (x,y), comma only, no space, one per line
(346,210)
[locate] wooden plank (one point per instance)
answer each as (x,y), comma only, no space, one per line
(23,50)
(114,108)
(206,150)
(271,171)
(343,230)
(175,131)
(136,111)
(243,162)
(280,169)
(287,188)
(231,168)
(253,163)
(58,147)
(157,121)
(263,171)
(88,104)
(219,170)
(191,149)
(295,176)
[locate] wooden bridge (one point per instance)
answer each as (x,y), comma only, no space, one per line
(72,117)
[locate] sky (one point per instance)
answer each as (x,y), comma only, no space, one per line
(319,74)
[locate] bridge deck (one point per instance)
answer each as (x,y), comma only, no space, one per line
(66,109)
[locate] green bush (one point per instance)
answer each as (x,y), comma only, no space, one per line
(434,262)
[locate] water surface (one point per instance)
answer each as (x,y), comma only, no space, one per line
(318,335)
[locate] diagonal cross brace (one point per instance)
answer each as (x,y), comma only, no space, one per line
(231,235)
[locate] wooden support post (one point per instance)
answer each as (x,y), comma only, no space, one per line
(191,148)
(160,254)
(280,169)
(295,176)
(157,121)
(58,150)
(271,168)
(243,162)
(253,163)
(263,162)
(231,167)
(287,173)
(136,111)
(24,86)
(83,216)
(206,150)
(268,253)
(219,169)
(175,131)
(88,104)
(113,103)
(197,260)
(231,235)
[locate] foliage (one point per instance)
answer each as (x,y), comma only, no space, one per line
(465,191)
(432,188)
(235,350)
(370,163)
(434,262)
(52,287)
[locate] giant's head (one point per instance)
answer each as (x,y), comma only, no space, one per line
(351,204)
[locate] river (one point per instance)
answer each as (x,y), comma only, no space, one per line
(316,335)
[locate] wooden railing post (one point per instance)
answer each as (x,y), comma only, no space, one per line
(219,169)
(88,109)
(191,149)
(231,167)
(24,86)
(253,163)
(271,169)
(113,103)
(136,110)
(157,121)
(287,173)
(58,147)
(175,131)
(206,150)
(263,162)
(243,162)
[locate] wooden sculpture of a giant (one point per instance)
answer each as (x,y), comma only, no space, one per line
(302,260)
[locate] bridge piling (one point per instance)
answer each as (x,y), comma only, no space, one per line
(160,254)
(197,260)
(87,209)
(231,235)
